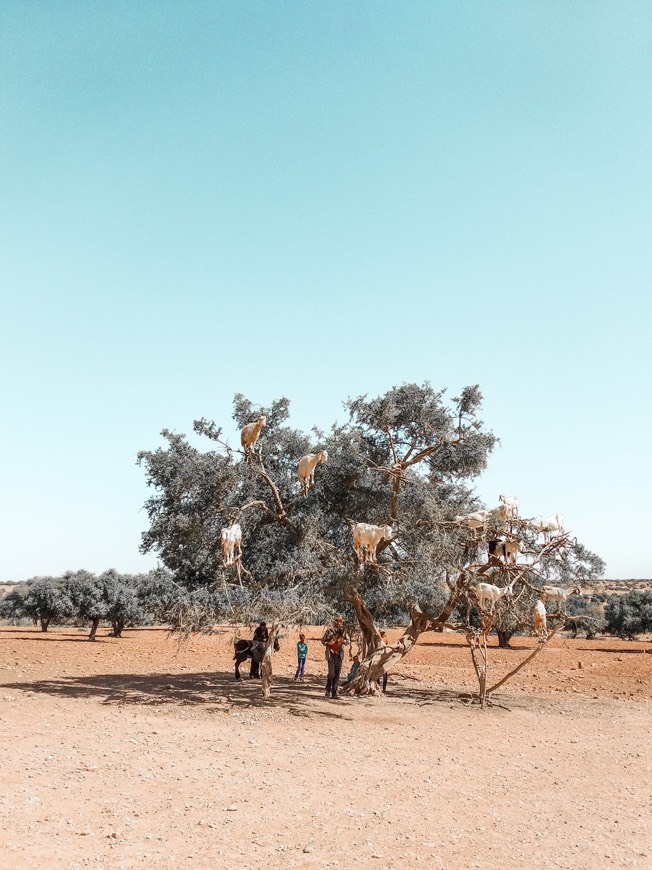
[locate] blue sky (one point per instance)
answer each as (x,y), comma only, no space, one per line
(320,200)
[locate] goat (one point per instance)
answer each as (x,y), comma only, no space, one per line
(505,550)
(231,539)
(474,521)
(511,502)
(556,593)
(307,465)
(492,594)
(502,512)
(540,618)
(249,435)
(548,526)
(366,539)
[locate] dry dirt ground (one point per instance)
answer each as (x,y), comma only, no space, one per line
(138,752)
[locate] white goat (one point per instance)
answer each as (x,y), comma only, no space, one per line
(250,433)
(502,512)
(540,618)
(492,594)
(505,550)
(307,465)
(511,502)
(366,539)
(231,539)
(474,521)
(556,593)
(555,524)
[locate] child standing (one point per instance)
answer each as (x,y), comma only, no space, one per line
(302,652)
(354,667)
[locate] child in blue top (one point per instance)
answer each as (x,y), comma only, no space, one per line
(302,652)
(354,667)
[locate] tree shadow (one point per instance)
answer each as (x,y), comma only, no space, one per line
(219,692)
(461,645)
(617,652)
(57,638)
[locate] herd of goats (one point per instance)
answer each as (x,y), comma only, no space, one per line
(367,537)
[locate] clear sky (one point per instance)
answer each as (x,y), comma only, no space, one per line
(320,200)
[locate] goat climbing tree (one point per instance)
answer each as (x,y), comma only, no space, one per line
(406,460)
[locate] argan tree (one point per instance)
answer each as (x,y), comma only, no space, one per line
(405,460)
(47,601)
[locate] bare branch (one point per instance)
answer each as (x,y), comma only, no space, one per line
(281,516)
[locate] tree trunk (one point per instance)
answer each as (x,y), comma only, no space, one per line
(117,629)
(477,641)
(381,659)
(44,624)
(371,638)
(504,638)
(266,664)
(96,622)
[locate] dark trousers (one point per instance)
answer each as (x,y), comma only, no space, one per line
(334,669)
(300,667)
(258,647)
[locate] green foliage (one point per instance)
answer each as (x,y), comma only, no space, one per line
(514,615)
(120,593)
(12,603)
(300,546)
(593,620)
(86,595)
(47,601)
(630,614)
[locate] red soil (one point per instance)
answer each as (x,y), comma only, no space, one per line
(139,752)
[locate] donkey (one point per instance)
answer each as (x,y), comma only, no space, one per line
(249,649)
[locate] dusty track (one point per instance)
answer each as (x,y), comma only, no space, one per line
(139,753)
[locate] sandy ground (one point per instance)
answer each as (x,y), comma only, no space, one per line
(136,752)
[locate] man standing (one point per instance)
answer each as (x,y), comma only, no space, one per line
(334,640)
(261,636)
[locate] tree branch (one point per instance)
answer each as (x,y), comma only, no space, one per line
(281,516)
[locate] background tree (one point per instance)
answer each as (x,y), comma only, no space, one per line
(47,601)
(88,601)
(630,614)
(588,616)
(12,603)
(123,602)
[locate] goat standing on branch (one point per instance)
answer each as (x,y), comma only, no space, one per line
(556,593)
(249,436)
(488,592)
(307,465)
(501,512)
(476,520)
(540,619)
(553,524)
(505,550)
(366,539)
(511,503)
(231,540)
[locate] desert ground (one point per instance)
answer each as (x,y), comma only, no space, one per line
(140,752)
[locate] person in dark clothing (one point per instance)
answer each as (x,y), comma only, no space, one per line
(383,637)
(261,636)
(334,639)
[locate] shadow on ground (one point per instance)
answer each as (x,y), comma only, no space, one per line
(218,691)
